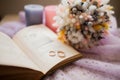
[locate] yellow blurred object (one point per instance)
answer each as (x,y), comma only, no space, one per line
(78,27)
(61,36)
(110,7)
(83,0)
(97,27)
(106,26)
(61,33)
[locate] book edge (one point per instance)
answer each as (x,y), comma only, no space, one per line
(64,63)
(12,72)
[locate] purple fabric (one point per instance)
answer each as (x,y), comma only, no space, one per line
(10,28)
(105,67)
(22,17)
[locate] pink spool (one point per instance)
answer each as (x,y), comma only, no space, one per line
(50,12)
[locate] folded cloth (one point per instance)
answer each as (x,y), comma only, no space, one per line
(108,68)
(75,72)
(10,28)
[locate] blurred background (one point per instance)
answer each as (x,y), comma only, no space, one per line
(14,6)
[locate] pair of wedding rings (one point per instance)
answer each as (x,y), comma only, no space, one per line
(60,54)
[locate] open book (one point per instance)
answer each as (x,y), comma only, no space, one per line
(32,53)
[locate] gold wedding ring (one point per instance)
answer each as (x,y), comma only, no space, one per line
(61,54)
(52,53)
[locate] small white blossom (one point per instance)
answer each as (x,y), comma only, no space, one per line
(85,5)
(65,2)
(105,1)
(73,20)
(92,8)
(76,2)
(75,37)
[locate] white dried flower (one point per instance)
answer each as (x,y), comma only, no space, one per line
(65,3)
(76,2)
(85,5)
(87,0)
(73,20)
(75,37)
(61,22)
(81,17)
(109,13)
(103,8)
(101,13)
(105,1)
(92,8)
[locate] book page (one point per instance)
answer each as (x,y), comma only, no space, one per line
(37,41)
(11,55)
